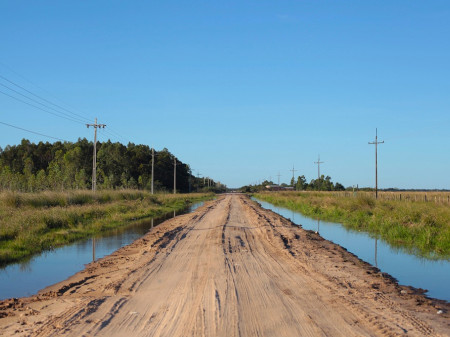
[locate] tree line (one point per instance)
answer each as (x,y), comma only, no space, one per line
(320,184)
(30,167)
(323,183)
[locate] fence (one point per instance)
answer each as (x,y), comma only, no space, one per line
(436,197)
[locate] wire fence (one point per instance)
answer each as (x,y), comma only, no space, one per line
(436,197)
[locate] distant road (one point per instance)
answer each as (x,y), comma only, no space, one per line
(229,269)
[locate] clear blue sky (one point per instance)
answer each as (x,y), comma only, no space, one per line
(242,90)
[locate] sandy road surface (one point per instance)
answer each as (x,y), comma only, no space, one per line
(228,269)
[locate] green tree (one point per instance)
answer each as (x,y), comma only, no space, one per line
(301,183)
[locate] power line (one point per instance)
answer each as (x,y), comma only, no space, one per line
(17,85)
(37,107)
(36,101)
(36,133)
(118,134)
(115,135)
(80,117)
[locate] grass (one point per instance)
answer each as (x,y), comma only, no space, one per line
(33,222)
(423,228)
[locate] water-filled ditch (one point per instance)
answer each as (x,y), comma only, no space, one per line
(408,269)
(27,278)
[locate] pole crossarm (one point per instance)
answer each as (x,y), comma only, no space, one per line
(318,162)
(376,142)
(94,159)
(293,173)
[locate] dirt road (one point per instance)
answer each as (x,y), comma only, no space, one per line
(230,268)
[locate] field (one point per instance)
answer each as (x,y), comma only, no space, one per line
(33,222)
(416,221)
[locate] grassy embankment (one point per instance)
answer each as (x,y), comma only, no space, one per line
(423,228)
(34,222)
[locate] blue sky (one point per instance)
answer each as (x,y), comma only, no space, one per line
(242,90)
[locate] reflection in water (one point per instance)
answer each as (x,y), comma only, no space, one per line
(405,267)
(25,266)
(376,248)
(93,249)
(26,278)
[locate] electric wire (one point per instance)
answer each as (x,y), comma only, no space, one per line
(36,133)
(37,107)
(115,135)
(81,118)
(46,100)
(35,101)
(44,90)
(110,135)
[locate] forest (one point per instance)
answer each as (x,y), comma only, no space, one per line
(60,166)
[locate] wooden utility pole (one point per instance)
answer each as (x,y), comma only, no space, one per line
(318,162)
(94,160)
(198,179)
(293,177)
(174,175)
(153,167)
(376,142)
(278,175)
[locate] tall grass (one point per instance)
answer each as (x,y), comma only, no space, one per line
(421,227)
(33,222)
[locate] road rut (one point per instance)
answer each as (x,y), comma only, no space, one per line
(230,268)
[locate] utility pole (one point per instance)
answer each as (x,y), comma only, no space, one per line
(190,175)
(376,142)
(174,175)
(153,166)
(94,159)
(278,175)
(198,180)
(318,162)
(293,170)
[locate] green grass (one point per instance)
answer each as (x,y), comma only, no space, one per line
(33,222)
(422,228)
